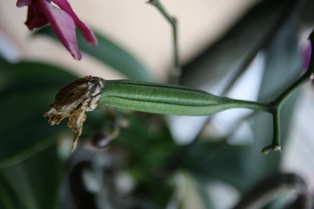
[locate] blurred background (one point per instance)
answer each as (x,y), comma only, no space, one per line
(136,26)
(243,49)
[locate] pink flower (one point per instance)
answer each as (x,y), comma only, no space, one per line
(306,52)
(62,19)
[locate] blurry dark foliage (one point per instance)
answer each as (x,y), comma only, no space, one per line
(136,170)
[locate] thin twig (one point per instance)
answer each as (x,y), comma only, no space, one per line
(176,72)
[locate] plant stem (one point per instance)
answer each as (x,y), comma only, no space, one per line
(277,105)
(286,93)
(252,105)
(176,72)
(280,100)
(275,146)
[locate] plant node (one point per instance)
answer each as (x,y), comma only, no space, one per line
(270,148)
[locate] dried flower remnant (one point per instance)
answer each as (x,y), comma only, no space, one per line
(73,101)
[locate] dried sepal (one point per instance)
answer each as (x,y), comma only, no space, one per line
(73,101)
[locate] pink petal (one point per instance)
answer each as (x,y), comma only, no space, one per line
(22,3)
(86,31)
(64,27)
(35,17)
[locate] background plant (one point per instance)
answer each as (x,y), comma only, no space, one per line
(143,153)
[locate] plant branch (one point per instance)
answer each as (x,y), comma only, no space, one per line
(277,105)
(176,72)
(286,93)
(280,100)
(275,146)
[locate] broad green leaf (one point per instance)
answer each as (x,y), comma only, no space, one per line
(44,172)
(17,185)
(111,54)
(230,55)
(26,93)
(35,182)
(7,198)
(218,160)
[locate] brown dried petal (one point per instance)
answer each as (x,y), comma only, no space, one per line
(73,101)
(76,120)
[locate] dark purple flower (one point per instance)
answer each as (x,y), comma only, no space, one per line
(62,19)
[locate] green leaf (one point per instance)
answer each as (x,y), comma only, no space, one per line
(111,54)
(35,182)
(45,177)
(18,187)
(230,55)
(7,198)
(218,160)
(25,94)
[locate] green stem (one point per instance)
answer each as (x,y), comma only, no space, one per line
(252,105)
(177,67)
(275,146)
(277,130)
(175,74)
(280,100)
(163,11)
(277,105)
(286,93)
(308,75)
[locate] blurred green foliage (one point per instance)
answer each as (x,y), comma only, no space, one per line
(34,176)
